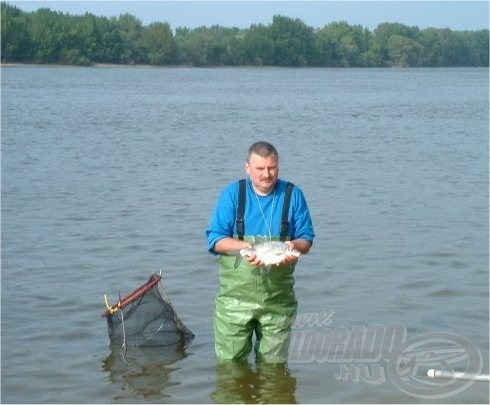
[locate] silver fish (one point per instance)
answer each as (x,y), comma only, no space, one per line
(268,252)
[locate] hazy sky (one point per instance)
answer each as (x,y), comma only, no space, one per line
(456,15)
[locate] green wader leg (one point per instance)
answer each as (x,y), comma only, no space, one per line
(274,335)
(233,329)
(253,300)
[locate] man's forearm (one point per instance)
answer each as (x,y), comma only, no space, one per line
(302,245)
(230,245)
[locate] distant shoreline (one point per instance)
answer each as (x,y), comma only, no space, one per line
(95,65)
(122,66)
(142,66)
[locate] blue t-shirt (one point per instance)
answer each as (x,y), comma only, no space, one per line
(262,214)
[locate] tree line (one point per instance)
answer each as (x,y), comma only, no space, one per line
(50,37)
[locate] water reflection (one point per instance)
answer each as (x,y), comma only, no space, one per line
(142,372)
(242,382)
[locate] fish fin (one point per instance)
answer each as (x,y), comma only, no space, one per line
(238,260)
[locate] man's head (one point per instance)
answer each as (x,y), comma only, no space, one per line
(262,166)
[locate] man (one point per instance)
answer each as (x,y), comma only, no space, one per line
(252,297)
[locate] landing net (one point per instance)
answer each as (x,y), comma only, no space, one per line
(145,317)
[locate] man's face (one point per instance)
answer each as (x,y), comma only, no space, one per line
(263,172)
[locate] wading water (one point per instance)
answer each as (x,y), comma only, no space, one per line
(111,174)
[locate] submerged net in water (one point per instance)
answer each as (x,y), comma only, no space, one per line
(146,317)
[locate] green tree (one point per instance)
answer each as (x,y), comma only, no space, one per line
(480,47)
(404,52)
(433,52)
(381,40)
(342,45)
(235,54)
(192,46)
(46,35)
(16,41)
(215,45)
(258,46)
(110,41)
(82,42)
(157,43)
(130,31)
(448,42)
(293,41)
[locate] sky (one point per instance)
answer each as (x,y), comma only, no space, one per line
(455,15)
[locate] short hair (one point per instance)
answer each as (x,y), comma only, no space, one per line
(263,149)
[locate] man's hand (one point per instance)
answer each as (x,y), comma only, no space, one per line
(255,261)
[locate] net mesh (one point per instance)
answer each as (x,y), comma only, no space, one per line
(146,317)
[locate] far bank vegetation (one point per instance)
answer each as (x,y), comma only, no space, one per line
(49,37)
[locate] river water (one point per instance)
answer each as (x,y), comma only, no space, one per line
(111,174)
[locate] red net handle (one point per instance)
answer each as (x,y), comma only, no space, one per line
(128,299)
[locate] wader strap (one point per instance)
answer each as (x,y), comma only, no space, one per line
(285,211)
(240,214)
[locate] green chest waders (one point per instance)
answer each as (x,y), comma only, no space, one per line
(254,299)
